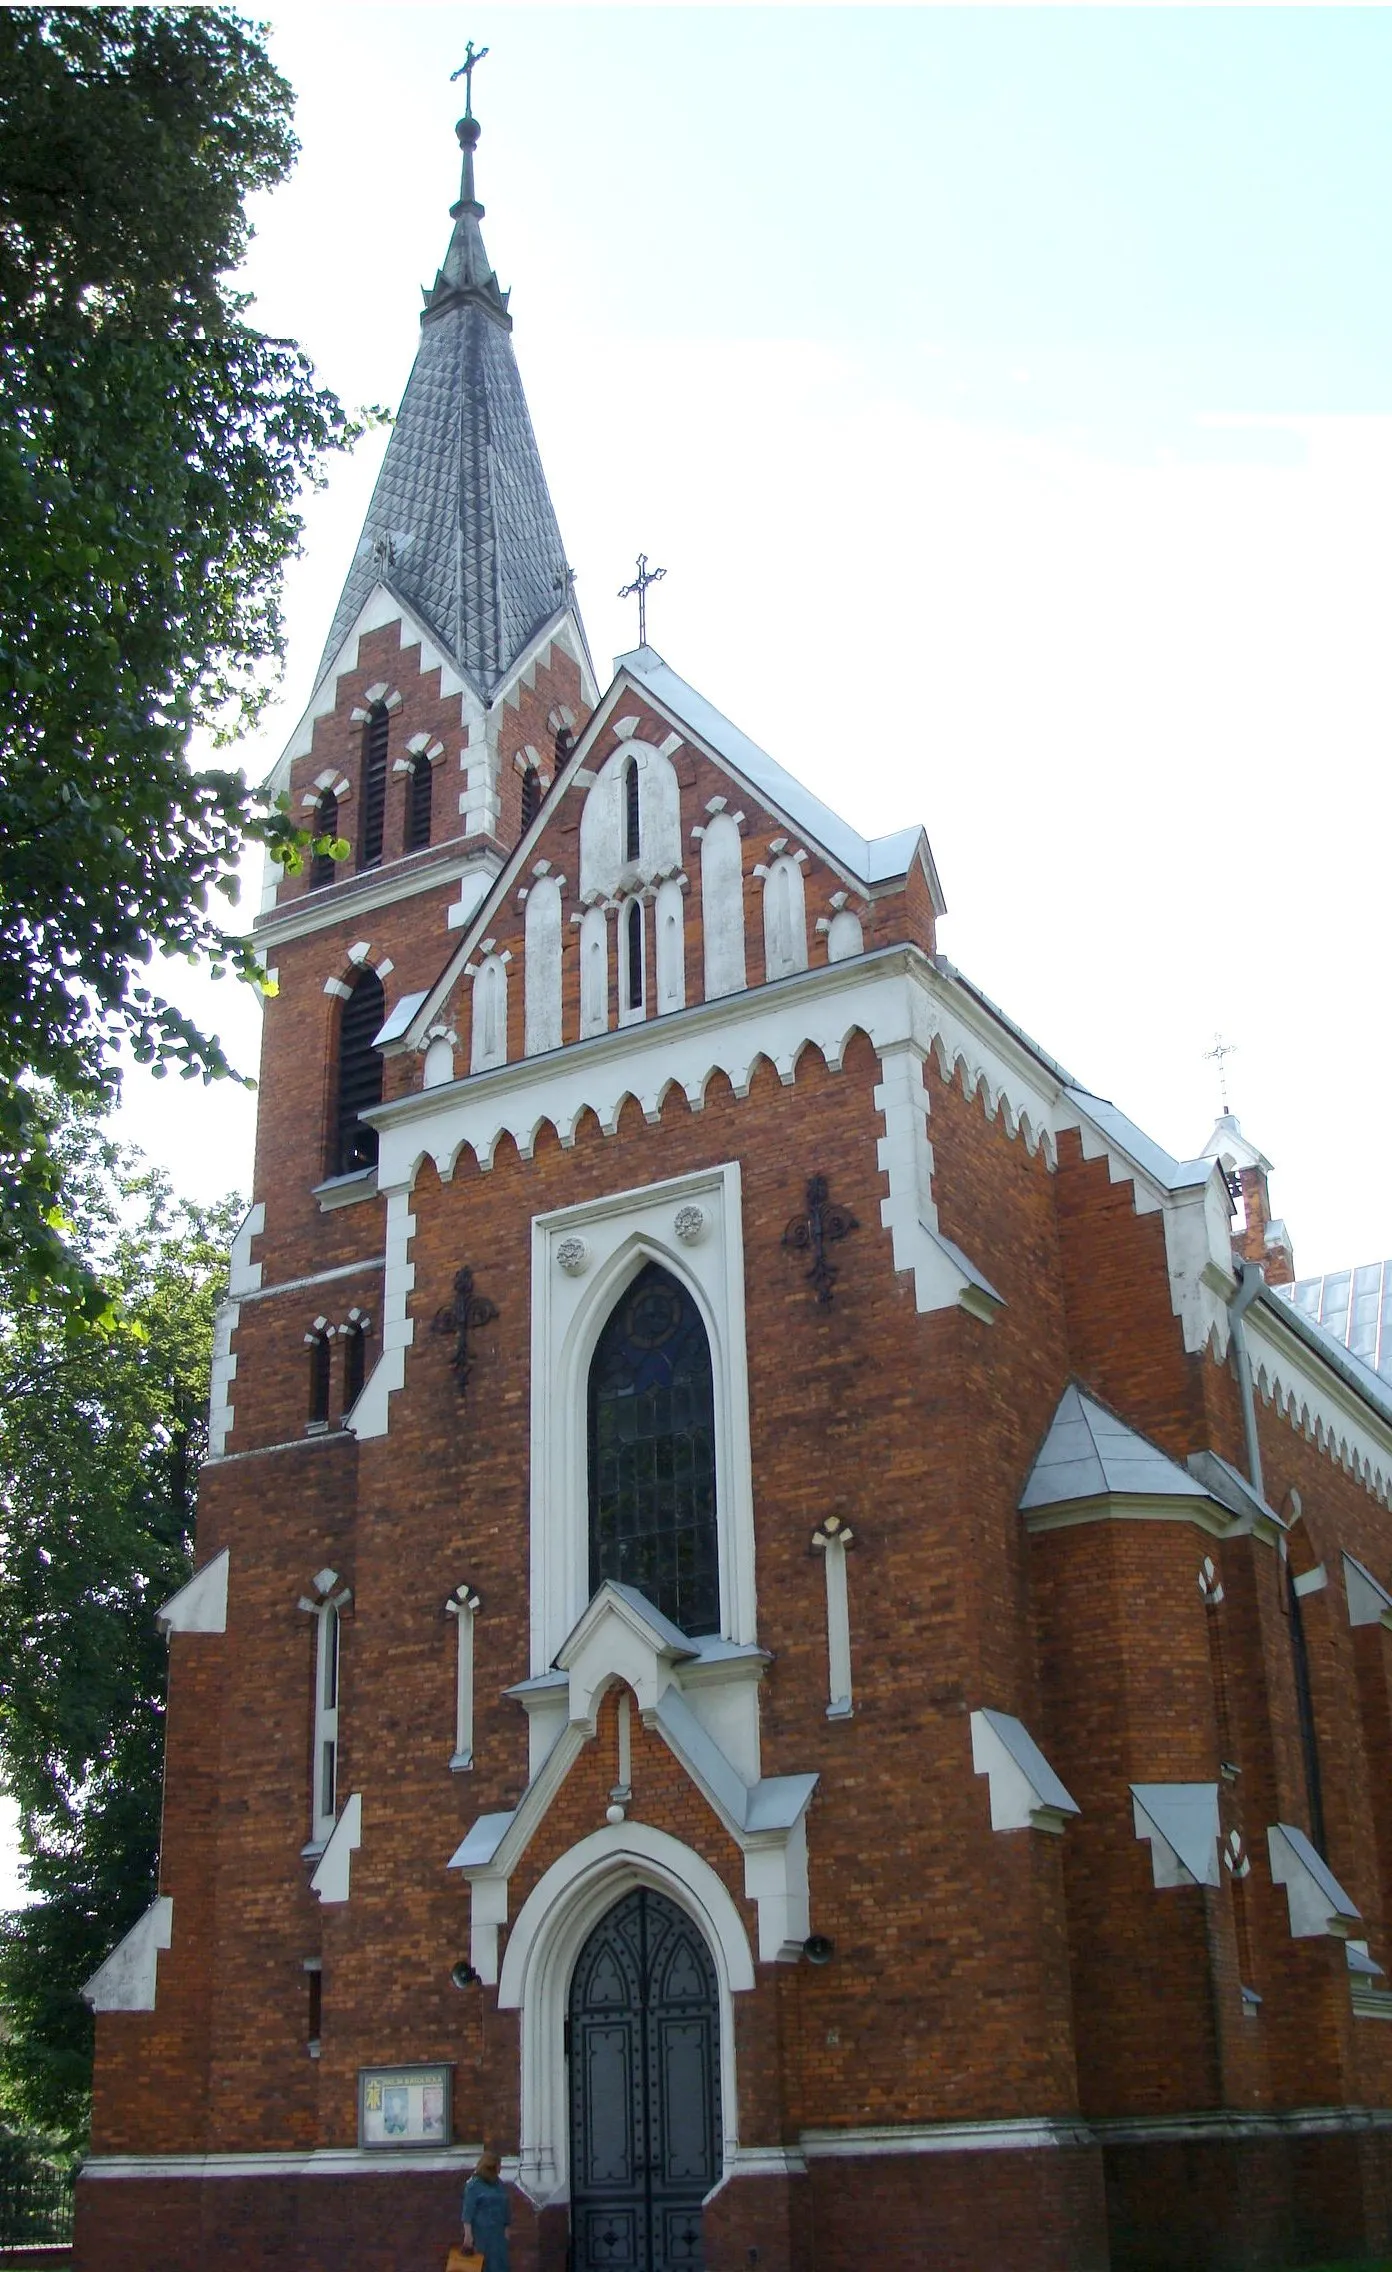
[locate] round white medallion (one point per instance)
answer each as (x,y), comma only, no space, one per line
(690,1225)
(573,1255)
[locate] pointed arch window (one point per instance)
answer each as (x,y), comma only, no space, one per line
(652,1453)
(325,824)
(420,784)
(633,954)
(632,811)
(354,1337)
(318,1341)
(359,1083)
(531,797)
(374,793)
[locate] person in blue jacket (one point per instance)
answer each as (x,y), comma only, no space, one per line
(487,2214)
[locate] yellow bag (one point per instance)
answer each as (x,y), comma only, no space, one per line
(463,2260)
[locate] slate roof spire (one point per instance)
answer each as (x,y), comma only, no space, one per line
(461,528)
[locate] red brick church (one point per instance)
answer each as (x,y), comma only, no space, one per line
(786,1630)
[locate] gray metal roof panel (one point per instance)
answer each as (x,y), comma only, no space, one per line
(1169,1173)
(1342,1361)
(461,528)
(871,859)
(1089,1454)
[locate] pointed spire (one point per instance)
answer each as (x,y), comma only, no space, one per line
(465,272)
(461,529)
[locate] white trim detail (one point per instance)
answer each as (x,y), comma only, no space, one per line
(1314,1897)
(463,1606)
(830,1540)
(562,1909)
(126,1981)
(320,2161)
(624,1231)
(1369,1602)
(244,1275)
(332,1875)
(1314,1399)
(1181,1822)
(1025,2134)
(1026,1794)
(201,1605)
(221,1374)
(369,1415)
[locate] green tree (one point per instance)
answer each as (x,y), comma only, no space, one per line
(154,445)
(102,1428)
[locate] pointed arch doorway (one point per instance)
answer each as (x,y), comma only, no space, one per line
(644,2041)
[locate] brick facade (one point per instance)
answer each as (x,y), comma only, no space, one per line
(1023,2050)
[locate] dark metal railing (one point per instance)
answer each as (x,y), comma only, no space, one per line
(36,2203)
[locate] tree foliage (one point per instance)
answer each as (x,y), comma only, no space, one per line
(101,1432)
(153,447)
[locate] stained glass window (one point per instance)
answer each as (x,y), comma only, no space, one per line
(652,1453)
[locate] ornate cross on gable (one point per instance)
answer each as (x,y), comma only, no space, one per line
(473,56)
(461,1317)
(641,581)
(1218,1055)
(812,1233)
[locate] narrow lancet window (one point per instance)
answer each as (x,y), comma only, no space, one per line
(634,952)
(652,1453)
(318,1341)
(531,797)
(354,1144)
(354,1337)
(419,788)
(374,786)
(631,810)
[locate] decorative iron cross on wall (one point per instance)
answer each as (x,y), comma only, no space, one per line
(461,1317)
(814,1232)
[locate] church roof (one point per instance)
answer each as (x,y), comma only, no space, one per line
(461,529)
(873,860)
(1090,1454)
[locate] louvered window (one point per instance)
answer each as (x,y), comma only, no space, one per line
(374,788)
(531,797)
(419,788)
(325,824)
(359,1075)
(631,809)
(652,1453)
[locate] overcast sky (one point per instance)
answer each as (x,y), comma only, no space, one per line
(1008,396)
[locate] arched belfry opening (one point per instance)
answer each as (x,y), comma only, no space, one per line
(652,1452)
(352,1144)
(645,2138)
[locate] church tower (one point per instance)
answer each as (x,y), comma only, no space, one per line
(786,1631)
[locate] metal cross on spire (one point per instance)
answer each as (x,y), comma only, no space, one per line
(473,56)
(1219,1054)
(641,581)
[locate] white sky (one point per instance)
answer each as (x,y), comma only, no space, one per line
(1006,395)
